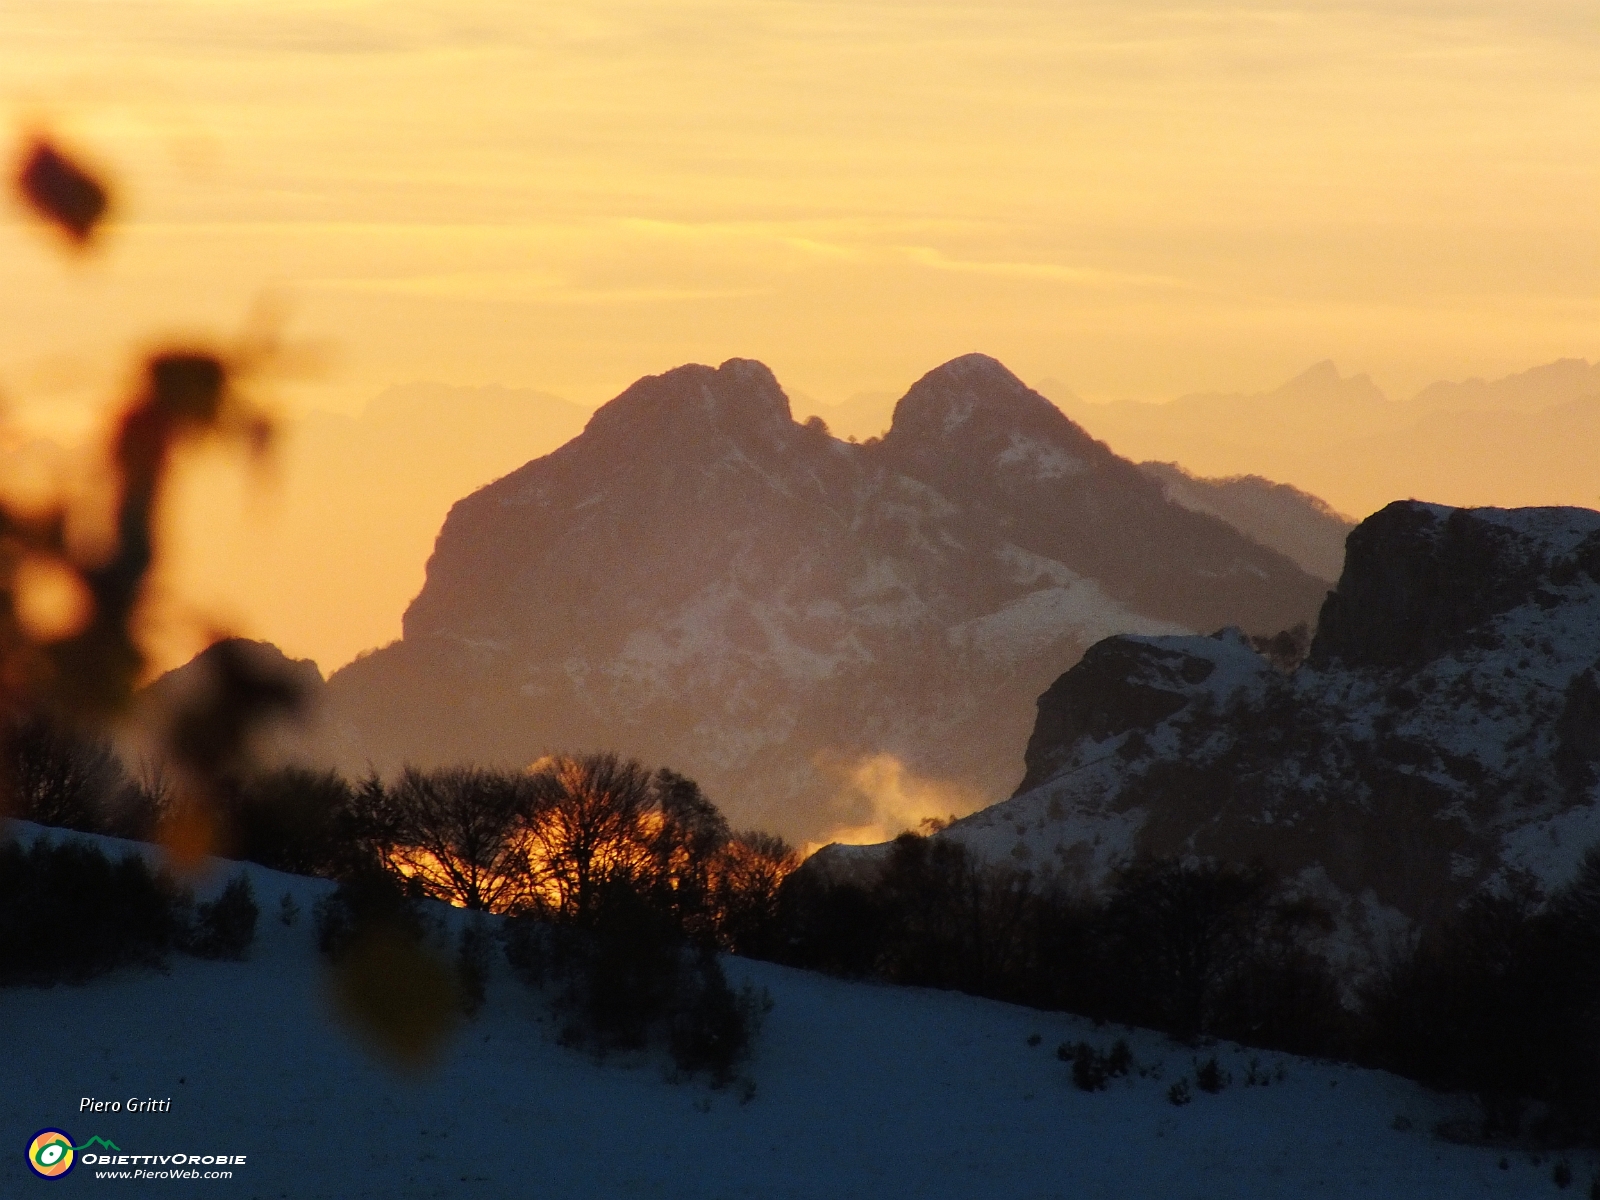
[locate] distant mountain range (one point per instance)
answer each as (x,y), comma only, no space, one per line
(325,562)
(1443,735)
(701,581)
(1522,440)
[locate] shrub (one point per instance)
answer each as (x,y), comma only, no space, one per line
(1119,1059)
(623,969)
(474,947)
(1209,1076)
(225,927)
(1090,1068)
(386,981)
(627,977)
(369,901)
(1179,1094)
(714,1027)
(68,913)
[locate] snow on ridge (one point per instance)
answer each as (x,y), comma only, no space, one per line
(1235,663)
(1558,527)
(1081,610)
(1047,461)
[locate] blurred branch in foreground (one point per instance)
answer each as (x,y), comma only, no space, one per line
(82,667)
(79,669)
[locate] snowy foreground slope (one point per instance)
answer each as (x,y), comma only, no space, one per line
(861,1091)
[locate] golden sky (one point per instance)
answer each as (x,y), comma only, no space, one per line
(1136,197)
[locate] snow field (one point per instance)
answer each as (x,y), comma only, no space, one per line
(860,1090)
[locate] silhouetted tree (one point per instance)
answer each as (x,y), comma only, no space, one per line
(293,819)
(750,871)
(952,920)
(596,820)
(686,847)
(1499,1000)
(59,776)
(463,835)
(1180,930)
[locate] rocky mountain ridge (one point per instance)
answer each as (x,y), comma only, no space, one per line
(1278,515)
(1443,734)
(700,580)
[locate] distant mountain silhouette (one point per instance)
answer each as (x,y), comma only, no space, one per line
(1292,522)
(701,581)
(857,418)
(1530,391)
(1519,441)
(142,736)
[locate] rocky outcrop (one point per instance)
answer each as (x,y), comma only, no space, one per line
(1419,579)
(1443,735)
(701,581)
(1120,686)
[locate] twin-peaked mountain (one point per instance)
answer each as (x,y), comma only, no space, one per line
(699,580)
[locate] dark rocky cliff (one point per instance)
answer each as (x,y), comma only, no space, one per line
(1442,736)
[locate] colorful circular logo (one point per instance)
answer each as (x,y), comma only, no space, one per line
(50,1153)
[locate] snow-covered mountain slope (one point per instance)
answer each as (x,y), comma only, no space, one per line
(1443,734)
(701,581)
(861,1090)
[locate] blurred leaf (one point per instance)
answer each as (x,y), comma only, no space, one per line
(188,831)
(401,997)
(62,192)
(211,734)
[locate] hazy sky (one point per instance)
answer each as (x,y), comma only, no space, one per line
(1135,197)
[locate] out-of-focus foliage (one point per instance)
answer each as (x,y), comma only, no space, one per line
(386,981)
(80,676)
(62,192)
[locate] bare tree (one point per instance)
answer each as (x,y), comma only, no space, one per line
(597,819)
(60,777)
(750,869)
(462,835)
